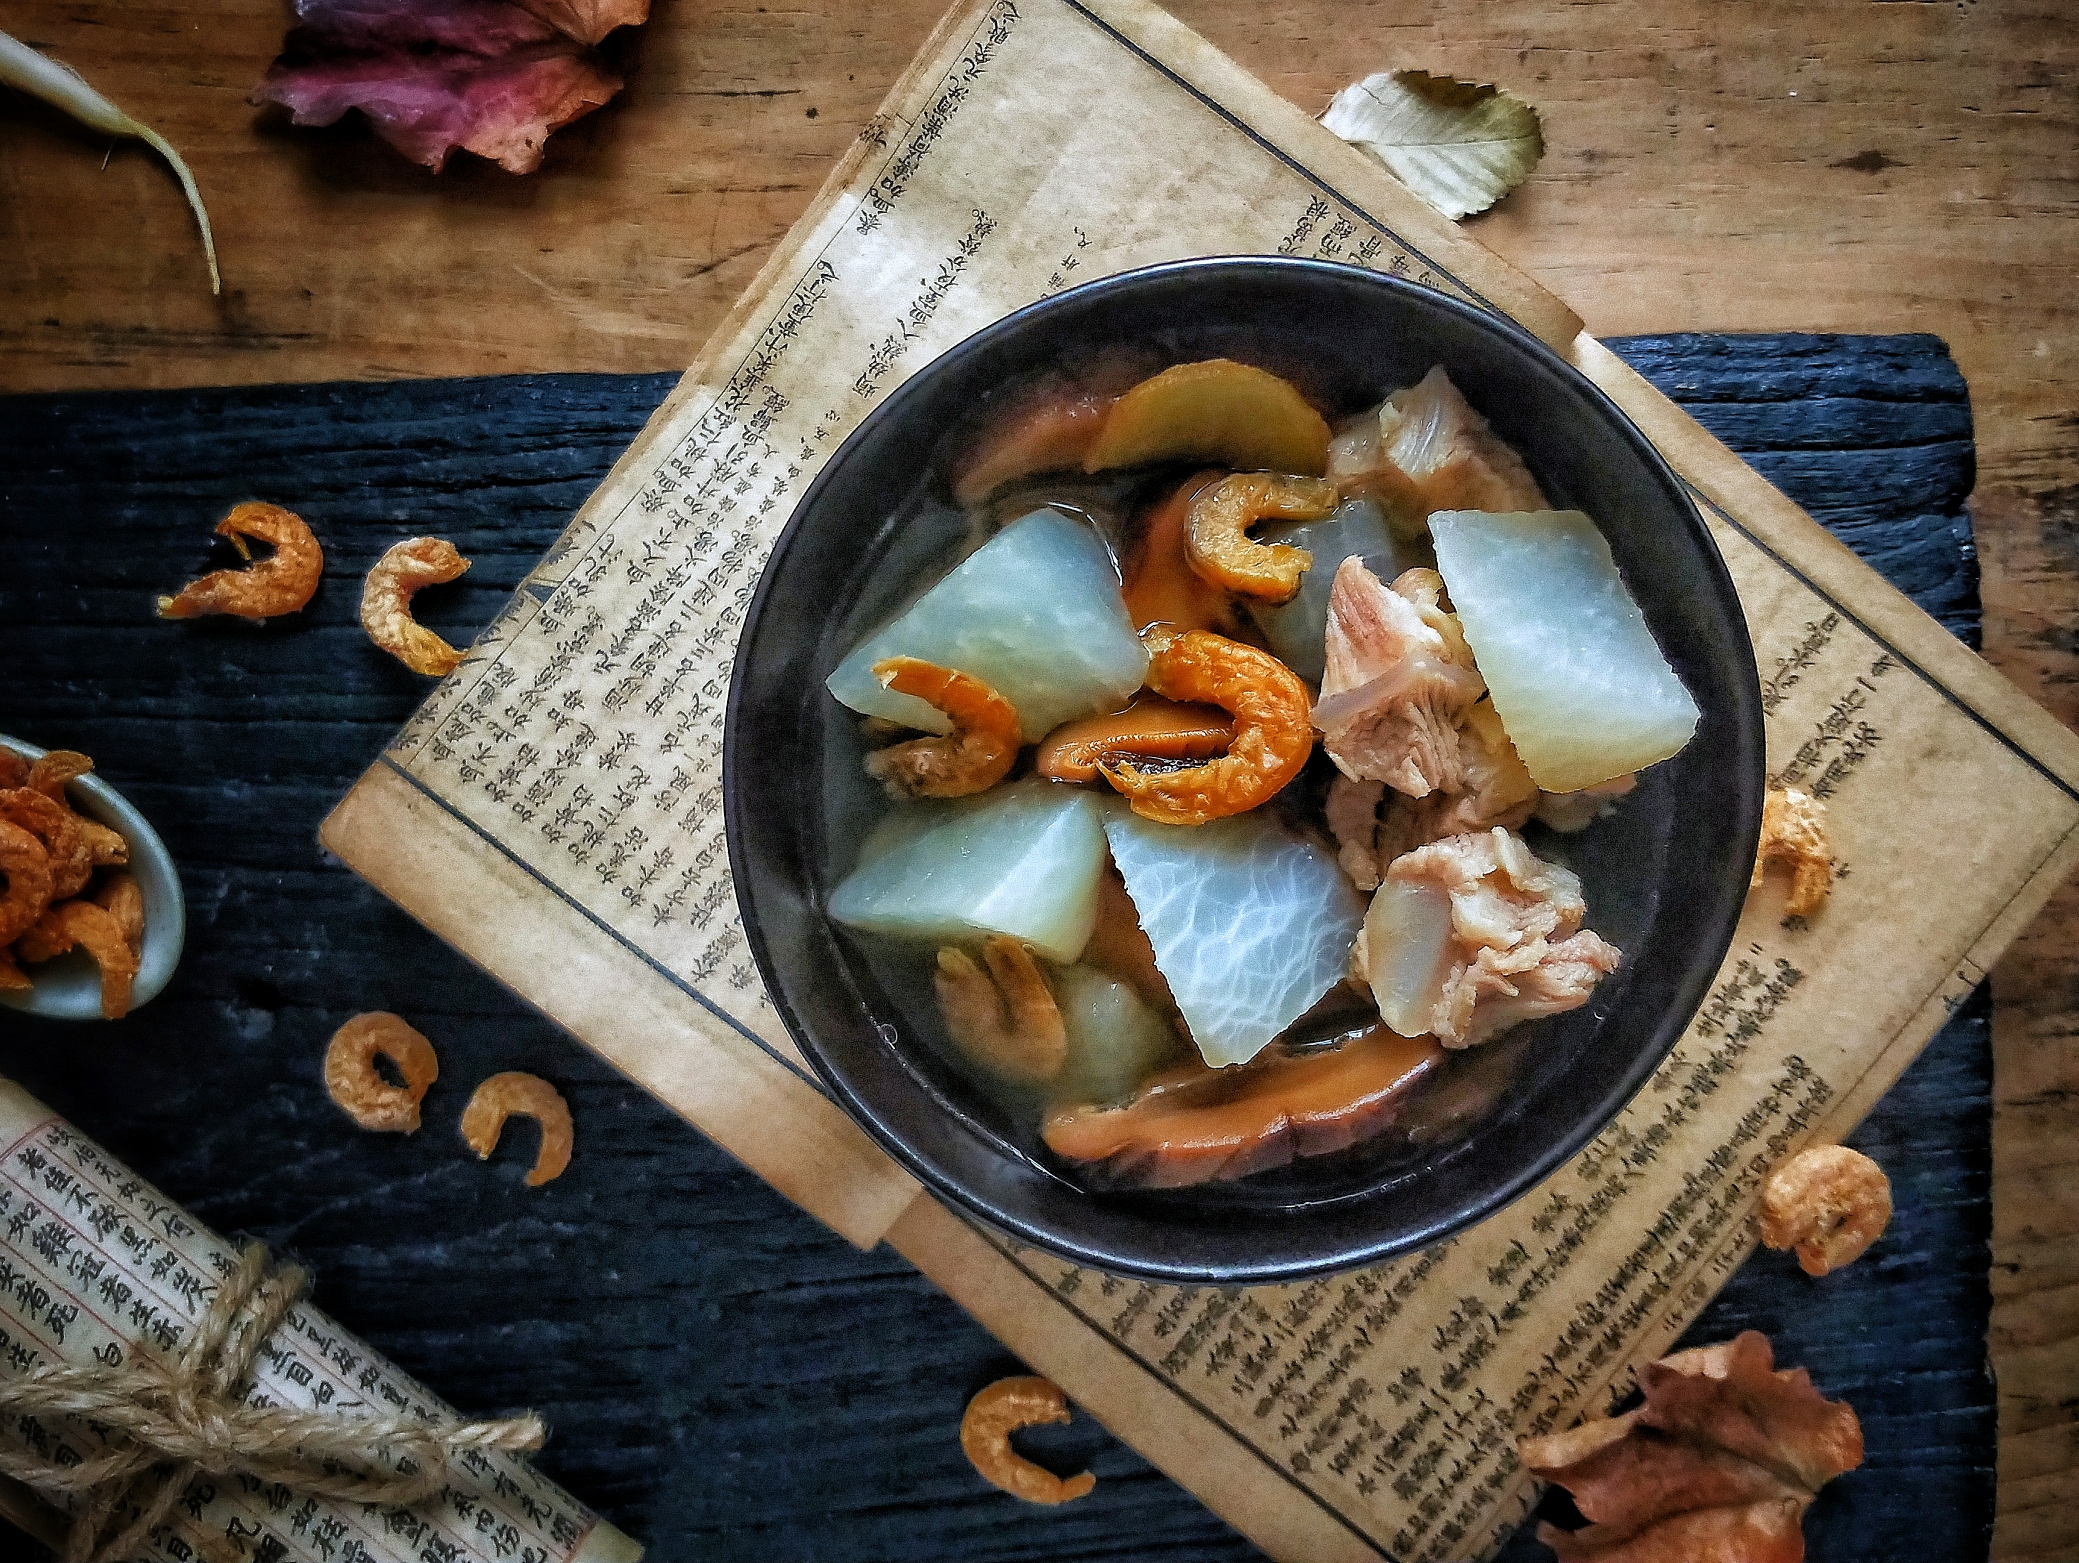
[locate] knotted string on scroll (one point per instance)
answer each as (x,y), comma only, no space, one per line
(164,1424)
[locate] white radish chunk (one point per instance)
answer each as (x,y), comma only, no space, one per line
(1024,861)
(1115,1041)
(1577,678)
(1035,613)
(1250,923)
(1407,947)
(1296,629)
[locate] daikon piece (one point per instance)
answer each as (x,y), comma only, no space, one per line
(1115,1041)
(1407,948)
(900,826)
(1296,629)
(1578,680)
(1250,923)
(1035,613)
(1023,860)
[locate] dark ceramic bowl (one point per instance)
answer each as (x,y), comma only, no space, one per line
(1665,875)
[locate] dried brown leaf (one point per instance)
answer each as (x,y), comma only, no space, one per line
(1717,1466)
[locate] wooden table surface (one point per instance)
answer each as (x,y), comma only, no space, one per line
(1817,165)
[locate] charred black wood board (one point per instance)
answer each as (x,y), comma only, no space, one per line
(723,1377)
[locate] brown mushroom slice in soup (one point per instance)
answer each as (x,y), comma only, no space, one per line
(1120,945)
(1151,729)
(1160,586)
(1051,427)
(1198,1125)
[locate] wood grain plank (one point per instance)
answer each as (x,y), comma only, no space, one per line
(725,1378)
(1785,166)
(1777,165)
(2031,553)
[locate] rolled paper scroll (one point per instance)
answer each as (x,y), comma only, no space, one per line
(99,1270)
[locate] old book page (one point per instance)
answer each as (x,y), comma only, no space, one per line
(98,1265)
(570,773)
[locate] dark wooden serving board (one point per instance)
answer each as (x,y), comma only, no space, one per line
(723,1377)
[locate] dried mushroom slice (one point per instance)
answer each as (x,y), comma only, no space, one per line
(1199,1125)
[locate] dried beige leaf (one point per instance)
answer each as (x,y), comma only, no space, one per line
(1459,146)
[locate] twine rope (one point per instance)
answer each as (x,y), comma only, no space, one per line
(164,1424)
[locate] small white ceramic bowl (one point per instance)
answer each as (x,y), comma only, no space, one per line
(69,988)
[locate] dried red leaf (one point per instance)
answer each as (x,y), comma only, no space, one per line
(483,27)
(493,77)
(1717,1466)
(588,21)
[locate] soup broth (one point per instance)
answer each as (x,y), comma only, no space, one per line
(1438,1094)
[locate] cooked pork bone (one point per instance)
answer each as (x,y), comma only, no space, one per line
(1426,449)
(1398,677)
(1432,434)
(1373,826)
(1473,934)
(1494,790)
(1353,818)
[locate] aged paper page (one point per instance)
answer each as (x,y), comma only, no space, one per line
(571,769)
(98,1265)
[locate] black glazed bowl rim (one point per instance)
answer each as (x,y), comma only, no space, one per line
(909,1120)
